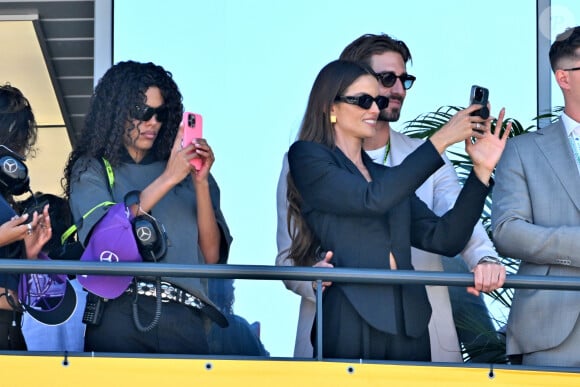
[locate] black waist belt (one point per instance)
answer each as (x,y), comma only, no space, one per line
(169,292)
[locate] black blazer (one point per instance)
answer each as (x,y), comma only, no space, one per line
(362,222)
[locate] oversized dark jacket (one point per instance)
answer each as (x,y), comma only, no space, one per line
(361,222)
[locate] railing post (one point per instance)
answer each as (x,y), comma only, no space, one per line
(318,319)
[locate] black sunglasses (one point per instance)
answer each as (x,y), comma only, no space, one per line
(572,69)
(145,113)
(364,101)
(388,79)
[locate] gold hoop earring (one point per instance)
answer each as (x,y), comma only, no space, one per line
(332,119)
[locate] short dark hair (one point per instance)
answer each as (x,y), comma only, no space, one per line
(364,47)
(564,47)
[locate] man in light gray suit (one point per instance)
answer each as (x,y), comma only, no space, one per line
(536,218)
(388,58)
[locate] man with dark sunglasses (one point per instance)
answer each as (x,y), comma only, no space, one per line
(389,78)
(388,57)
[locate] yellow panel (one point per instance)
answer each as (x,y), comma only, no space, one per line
(87,371)
(23,66)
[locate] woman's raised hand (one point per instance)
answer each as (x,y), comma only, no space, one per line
(486,150)
(462,126)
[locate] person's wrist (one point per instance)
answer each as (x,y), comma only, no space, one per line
(483,174)
(489,259)
(438,142)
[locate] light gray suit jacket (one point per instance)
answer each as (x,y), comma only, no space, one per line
(536,218)
(439,192)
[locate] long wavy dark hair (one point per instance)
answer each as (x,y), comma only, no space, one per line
(112,106)
(331,82)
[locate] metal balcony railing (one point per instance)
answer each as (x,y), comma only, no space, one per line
(264,272)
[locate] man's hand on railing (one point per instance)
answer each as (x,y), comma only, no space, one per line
(488,276)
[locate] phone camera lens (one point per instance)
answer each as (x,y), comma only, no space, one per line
(191,120)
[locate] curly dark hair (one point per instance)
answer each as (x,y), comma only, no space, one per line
(18,129)
(113,105)
(330,83)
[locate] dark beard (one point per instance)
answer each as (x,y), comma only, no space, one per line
(389,116)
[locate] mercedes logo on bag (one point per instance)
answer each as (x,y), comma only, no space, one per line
(10,165)
(144,234)
(108,256)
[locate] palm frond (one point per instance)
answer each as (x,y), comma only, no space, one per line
(425,125)
(486,346)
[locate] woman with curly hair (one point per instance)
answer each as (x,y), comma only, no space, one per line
(133,123)
(20,237)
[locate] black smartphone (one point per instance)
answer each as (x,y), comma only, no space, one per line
(38,207)
(479,95)
(93,309)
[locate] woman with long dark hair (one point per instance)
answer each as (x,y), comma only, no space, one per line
(368,216)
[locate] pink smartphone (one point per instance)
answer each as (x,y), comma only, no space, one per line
(192,129)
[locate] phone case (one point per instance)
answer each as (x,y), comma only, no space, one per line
(192,129)
(479,95)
